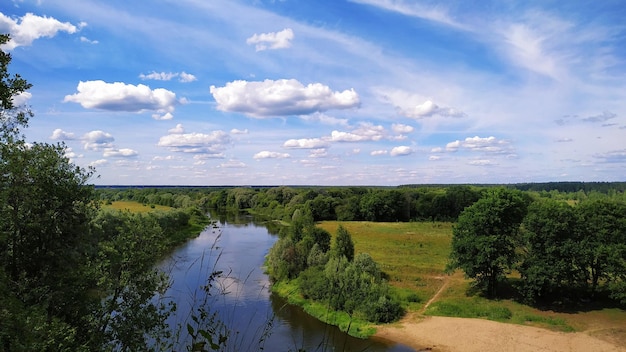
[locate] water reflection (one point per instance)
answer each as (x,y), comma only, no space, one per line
(240,296)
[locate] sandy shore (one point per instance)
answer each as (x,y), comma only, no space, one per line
(468,335)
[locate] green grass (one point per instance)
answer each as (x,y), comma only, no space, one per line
(414,256)
(352,325)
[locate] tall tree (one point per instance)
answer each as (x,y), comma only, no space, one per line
(550,247)
(484,238)
(344,247)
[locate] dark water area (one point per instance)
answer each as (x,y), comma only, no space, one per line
(240,297)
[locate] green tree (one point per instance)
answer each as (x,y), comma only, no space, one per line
(550,248)
(344,247)
(602,233)
(484,238)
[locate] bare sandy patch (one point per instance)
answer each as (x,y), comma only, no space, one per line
(479,335)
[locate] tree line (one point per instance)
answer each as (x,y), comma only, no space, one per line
(564,253)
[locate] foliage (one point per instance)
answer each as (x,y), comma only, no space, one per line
(484,238)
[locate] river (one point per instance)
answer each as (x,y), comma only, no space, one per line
(240,297)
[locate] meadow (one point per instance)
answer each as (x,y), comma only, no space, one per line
(414,256)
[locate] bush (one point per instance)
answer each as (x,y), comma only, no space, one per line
(383,311)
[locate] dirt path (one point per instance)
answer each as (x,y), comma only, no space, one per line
(445,334)
(446,282)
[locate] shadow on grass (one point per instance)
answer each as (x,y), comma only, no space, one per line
(567,300)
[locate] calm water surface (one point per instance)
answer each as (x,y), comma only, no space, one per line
(241,298)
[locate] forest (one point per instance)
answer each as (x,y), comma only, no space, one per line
(78,275)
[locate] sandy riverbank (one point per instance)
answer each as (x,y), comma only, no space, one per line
(467,335)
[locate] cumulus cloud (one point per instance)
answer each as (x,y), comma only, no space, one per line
(270,155)
(119,153)
(21,99)
(365,132)
(378,152)
(177,130)
(318,153)
(30,27)
(401,128)
(183,77)
(479,144)
(272,40)
(211,143)
(429,109)
(70,154)
(401,151)
(97,140)
(282,97)
(59,134)
(306,143)
(119,96)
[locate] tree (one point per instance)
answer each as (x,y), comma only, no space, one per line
(550,249)
(344,247)
(602,234)
(484,238)
(45,208)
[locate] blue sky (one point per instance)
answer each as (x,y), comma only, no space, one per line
(327,92)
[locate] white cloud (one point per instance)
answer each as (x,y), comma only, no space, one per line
(21,99)
(233,164)
(70,154)
(401,150)
(429,109)
(434,157)
(119,96)
(270,155)
(209,156)
(318,153)
(400,128)
(166,116)
(479,144)
(87,40)
(99,162)
(31,27)
(325,119)
(59,134)
(168,76)
(119,153)
(282,97)
(238,131)
(379,152)
(436,14)
(177,130)
(365,132)
(310,143)
(212,143)
(482,162)
(272,40)
(186,77)
(97,140)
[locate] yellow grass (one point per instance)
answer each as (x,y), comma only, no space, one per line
(135,207)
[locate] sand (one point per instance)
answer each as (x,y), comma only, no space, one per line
(468,335)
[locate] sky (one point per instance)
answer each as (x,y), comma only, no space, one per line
(326,92)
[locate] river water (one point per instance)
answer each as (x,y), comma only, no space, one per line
(240,297)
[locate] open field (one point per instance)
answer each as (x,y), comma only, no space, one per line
(134,207)
(414,256)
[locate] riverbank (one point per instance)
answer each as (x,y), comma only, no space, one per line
(445,334)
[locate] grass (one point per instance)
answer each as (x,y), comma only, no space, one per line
(414,256)
(352,325)
(135,207)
